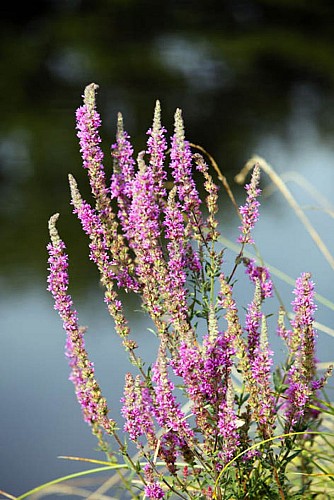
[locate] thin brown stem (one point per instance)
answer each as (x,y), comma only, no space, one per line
(221,177)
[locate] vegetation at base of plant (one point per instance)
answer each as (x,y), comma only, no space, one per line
(211,417)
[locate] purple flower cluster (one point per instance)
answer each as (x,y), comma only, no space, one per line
(177,250)
(94,406)
(206,374)
(92,225)
(144,213)
(137,411)
(106,228)
(250,211)
(262,274)
(141,406)
(212,198)
(88,123)
(261,363)
(167,411)
(253,321)
(254,355)
(303,304)
(156,148)
(146,216)
(181,167)
(301,342)
(152,490)
(101,252)
(124,165)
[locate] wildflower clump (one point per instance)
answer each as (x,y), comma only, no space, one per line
(205,414)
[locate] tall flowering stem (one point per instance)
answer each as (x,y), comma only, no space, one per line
(249,214)
(168,412)
(250,211)
(144,238)
(181,167)
(93,404)
(301,376)
(123,173)
(137,411)
(156,148)
(211,199)
(88,124)
(100,255)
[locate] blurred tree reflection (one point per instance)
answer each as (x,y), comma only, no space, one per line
(234,67)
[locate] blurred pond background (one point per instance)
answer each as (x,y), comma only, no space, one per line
(251,76)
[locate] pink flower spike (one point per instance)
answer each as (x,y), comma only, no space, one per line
(250,211)
(93,405)
(301,375)
(156,148)
(168,412)
(181,167)
(88,123)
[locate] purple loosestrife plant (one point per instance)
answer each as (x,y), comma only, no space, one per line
(204,415)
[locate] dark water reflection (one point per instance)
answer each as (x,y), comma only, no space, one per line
(250,76)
